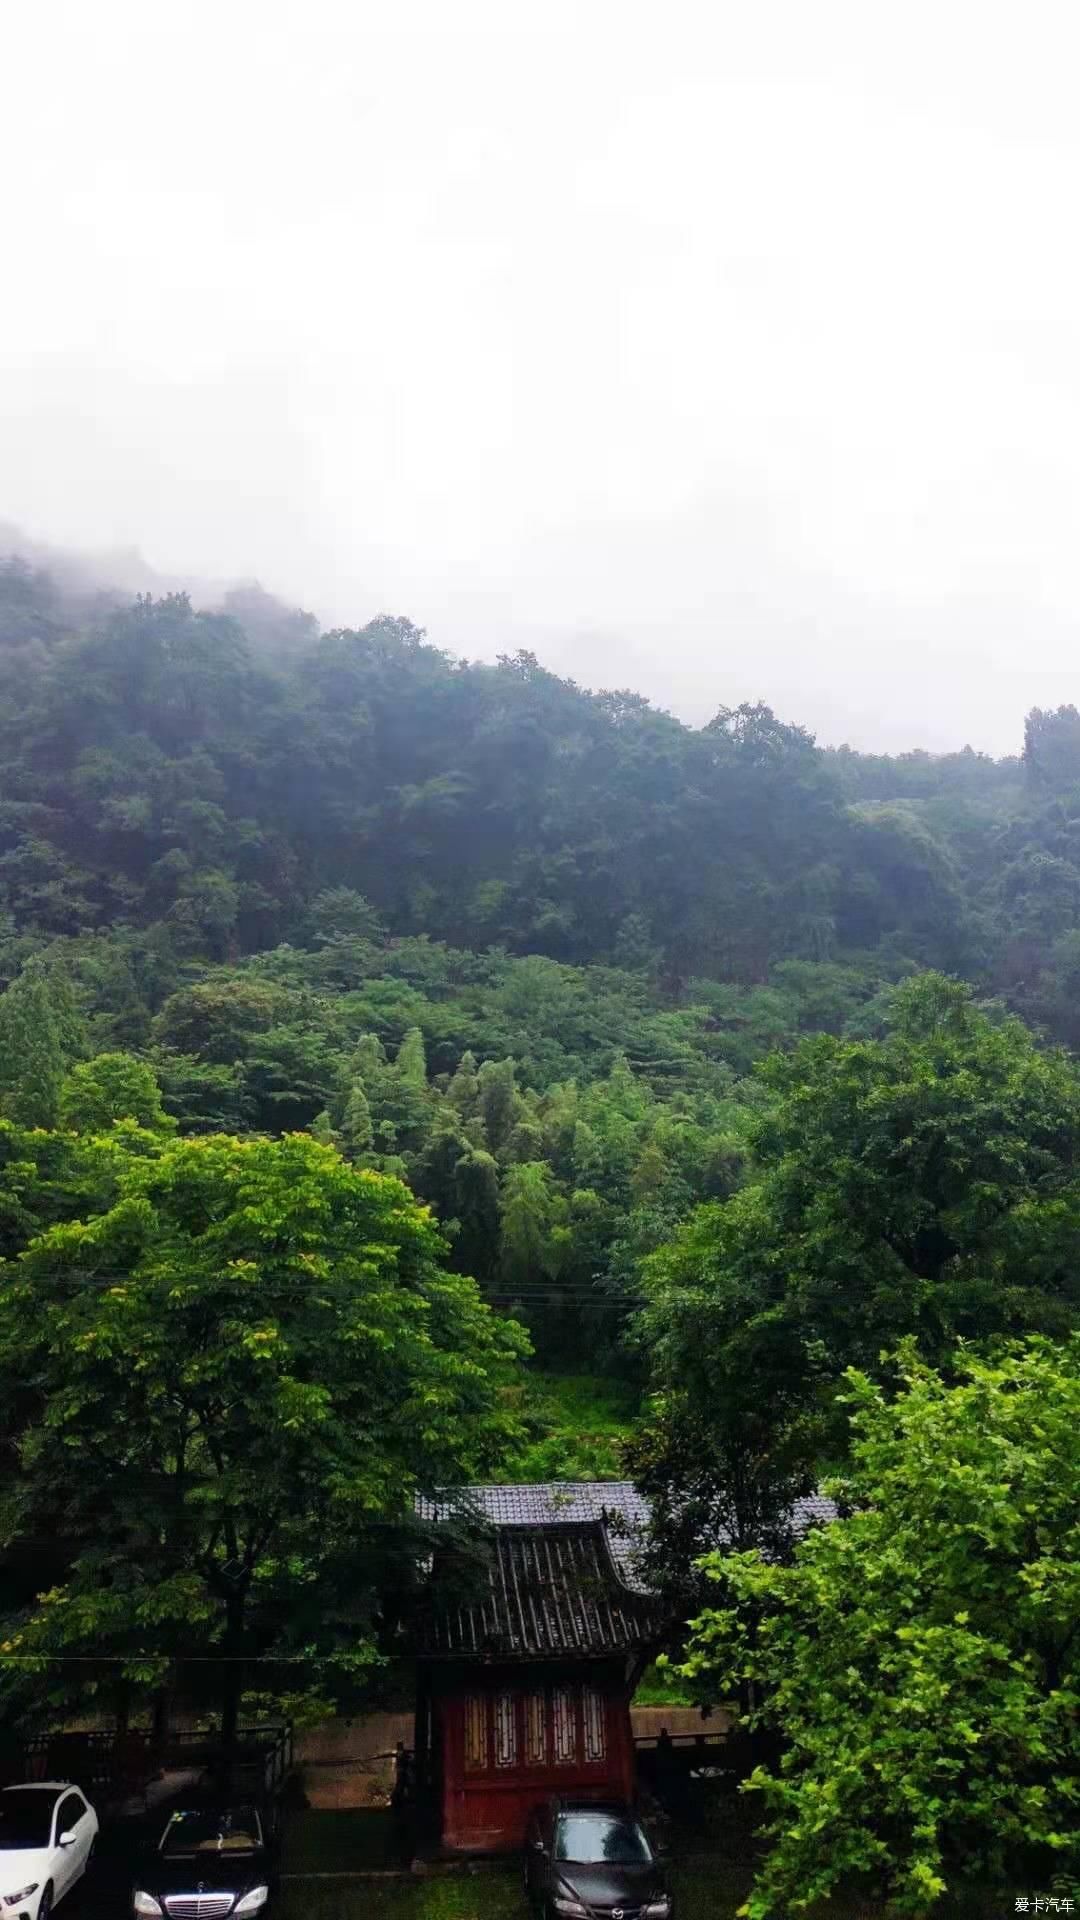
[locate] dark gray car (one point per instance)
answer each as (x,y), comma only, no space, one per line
(590,1860)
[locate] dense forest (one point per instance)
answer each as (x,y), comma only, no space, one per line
(521,943)
(413,1069)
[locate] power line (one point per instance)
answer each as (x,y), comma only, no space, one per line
(504,1297)
(178,1659)
(277,1289)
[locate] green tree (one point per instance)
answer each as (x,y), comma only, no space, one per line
(339,914)
(40,1032)
(112,1086)
(500,1103)
(463,1091)
(921,1658)
(922,1184)
(527,1253)
(1052,747)
(46,1177)
(245,1367)
(410,1066)
(218,1018)
(477,1211)
(356,1126)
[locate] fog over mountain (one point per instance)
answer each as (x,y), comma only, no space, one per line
(732,360)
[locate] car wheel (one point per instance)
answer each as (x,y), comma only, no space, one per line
(45,1905)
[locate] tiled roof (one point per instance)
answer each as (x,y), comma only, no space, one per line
(614,1509)
(810,1511)
(552,1589)
(537,1504)
(617,1503)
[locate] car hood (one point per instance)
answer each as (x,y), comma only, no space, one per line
(20,1865)
(216,1872)
(605,1886)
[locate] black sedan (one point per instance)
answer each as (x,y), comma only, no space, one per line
(591,1861)
(209,1864)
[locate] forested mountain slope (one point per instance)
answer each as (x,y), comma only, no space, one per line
(519,942)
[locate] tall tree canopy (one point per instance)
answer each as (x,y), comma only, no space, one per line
(242,1370)
(923,1184)
(921,1657)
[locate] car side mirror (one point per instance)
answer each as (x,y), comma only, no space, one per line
(67,1839)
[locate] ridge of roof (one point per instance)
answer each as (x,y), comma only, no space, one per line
(532,1501)
(619,1505)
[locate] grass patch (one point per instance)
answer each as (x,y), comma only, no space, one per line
(588,1402)
(339,1840)
(575,1425)
(710,1884)
(657,1688)
(486,1896)
(492,1894)
(712,1892)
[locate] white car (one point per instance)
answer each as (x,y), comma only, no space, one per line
(47,1834)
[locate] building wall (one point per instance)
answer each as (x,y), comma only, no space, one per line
(350,1763)
(506,1741)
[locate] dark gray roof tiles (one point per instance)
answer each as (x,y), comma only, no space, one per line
(552,1591)
(540,1503)
(814,1509)
(617,1504)
(622,1511)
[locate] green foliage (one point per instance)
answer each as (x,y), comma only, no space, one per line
(201,1097)
(40,1032)
(356,1125)
(638,1012)
(232,779)
(218,1019)
(921,1657)
(110,1087)
(46,1177)
(1052,747)
(575,1427)
(245,1363)
(923,1184)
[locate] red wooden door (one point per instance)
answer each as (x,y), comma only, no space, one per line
(508,1747)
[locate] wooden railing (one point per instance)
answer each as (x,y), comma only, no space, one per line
(112,1764)
(644,1741)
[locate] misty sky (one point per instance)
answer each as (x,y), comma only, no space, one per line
(726,352)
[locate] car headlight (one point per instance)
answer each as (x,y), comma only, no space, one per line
(12,1899)
(658,1909)
(145,1903)
(252,1901)
(573,1909)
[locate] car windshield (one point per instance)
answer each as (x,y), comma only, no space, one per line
(25,1818)
(590,1839)
(237,1830)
